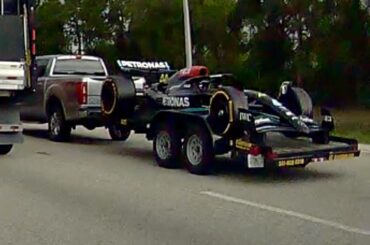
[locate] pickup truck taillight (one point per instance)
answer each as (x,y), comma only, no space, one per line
(81,93)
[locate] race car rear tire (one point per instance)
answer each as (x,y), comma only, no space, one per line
(198,150)
(167,146)
(224,113)
(118,97)
(5,149)
(119,133)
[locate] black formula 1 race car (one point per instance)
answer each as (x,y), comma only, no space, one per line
(193,116)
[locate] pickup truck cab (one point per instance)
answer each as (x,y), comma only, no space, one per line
(67,94)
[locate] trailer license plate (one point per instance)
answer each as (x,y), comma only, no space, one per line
(291,163)
(256,161)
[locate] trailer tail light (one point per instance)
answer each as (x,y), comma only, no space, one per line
(270,155)
(255,151)
(11,78)
(255,158)
(14,128)
(81,93)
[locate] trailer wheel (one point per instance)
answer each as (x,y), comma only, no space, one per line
(119,133)
(59,129)
(167,146)
(5,149)
(198,150)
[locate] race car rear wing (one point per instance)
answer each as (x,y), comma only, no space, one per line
(152,71)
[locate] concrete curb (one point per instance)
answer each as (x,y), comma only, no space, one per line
(365,148)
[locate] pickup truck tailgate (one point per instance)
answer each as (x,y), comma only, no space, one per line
(12,76)
(94,87)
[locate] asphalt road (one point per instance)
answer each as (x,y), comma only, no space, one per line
(93,191)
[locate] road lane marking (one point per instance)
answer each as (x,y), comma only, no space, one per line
(288,213)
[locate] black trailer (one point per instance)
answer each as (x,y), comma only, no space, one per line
(193,116)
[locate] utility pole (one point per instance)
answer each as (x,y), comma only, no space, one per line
(187,28)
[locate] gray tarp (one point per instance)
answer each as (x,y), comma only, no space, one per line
(11,38)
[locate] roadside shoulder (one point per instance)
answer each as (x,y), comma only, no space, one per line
(365,148)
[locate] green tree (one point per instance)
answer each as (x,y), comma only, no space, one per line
(51,18)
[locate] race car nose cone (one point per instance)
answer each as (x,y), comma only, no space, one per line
(302,127)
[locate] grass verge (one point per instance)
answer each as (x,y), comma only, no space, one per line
(353,123)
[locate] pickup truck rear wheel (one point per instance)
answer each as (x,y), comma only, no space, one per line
(5,149)
(59,129)
(167,146)
(119,133)
(198,150)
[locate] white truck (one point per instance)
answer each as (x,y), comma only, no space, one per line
(17,52)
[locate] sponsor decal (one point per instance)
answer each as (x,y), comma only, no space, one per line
(164,78)
(328,119)
(276,103)
(262,121)
(124,122)
(306,119)
(341,156)
(291,163)
(246,117)
(176,102)
(241,144)
(123,64)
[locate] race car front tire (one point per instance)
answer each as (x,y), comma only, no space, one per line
(298,101)
(304,101)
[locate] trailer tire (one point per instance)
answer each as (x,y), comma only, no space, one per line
(5,149)
(119,133)
(59,128)
(167,146)
(198,150)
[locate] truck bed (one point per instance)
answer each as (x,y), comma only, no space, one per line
(287,146)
